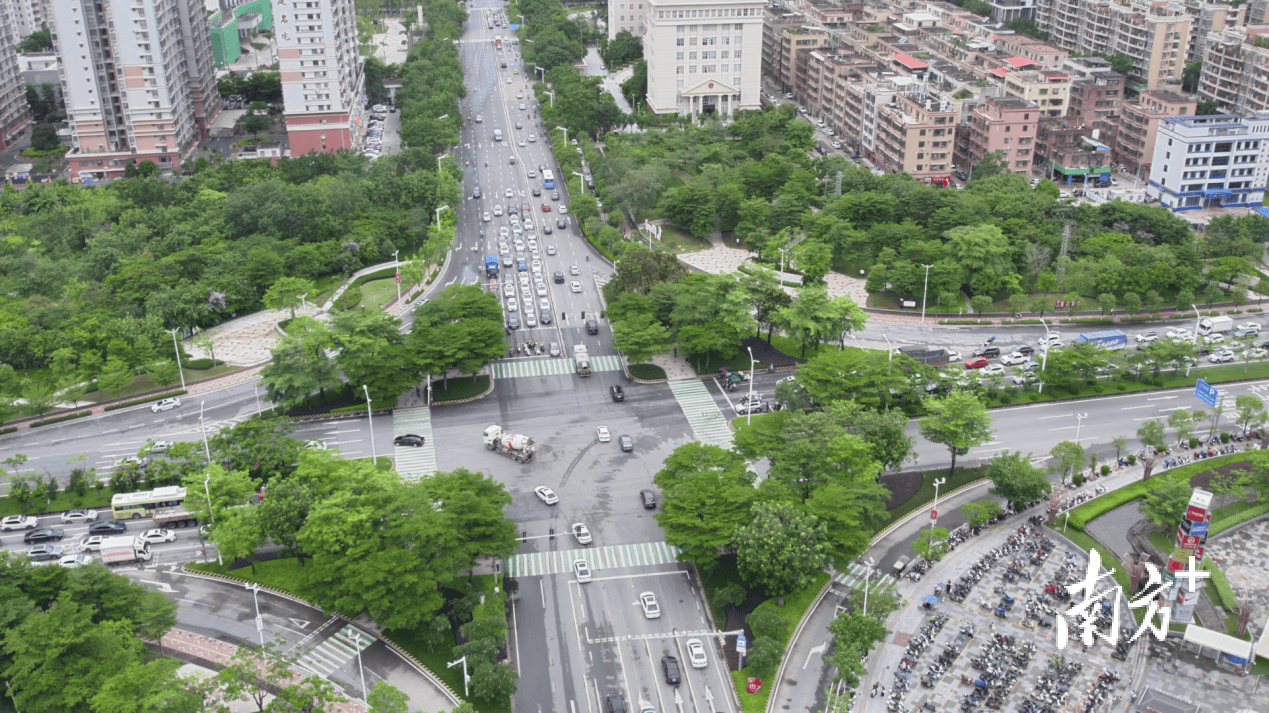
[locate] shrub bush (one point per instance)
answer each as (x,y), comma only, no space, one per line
(1193,442)
(1224,523)
(1221,584)
(1132,459)
(349,300)
(1224,437)
(201,364)
(1105,470)
(59,419)
(1078,479)
(145,400)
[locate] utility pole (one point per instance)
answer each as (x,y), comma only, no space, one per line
(1061,261)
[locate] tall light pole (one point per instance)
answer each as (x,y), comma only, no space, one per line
(1197,318)
(926,292)
(371,417)
(561,128)
(466,678)
(935,509)
(1079,421)
(220,559)
(890,350)
(255,590)
(867,581)
(549,93)
(438,161)
(397,260)
(177,347)
(438,213)
(782,252)
(521,19)
(752,370)
(203,424)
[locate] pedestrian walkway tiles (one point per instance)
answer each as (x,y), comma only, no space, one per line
(542,563)
(854,577)
(518,368)
(707,421)
(334,652)
(414,463)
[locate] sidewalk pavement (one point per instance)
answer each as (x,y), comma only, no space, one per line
(675,367)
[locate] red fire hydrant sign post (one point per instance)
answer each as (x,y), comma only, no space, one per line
(754,685)
(934,515)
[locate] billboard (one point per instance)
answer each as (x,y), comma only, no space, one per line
(1191,541)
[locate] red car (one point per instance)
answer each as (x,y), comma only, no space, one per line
(546,207)
(976,363)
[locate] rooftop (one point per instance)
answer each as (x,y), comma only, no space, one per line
(910,62)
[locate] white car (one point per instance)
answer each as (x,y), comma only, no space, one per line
(512,305)
(564,209)
(508,289)
(161,446)
(498,209)
(991,369)
(1050,338)
(508,193)
(1180,334)
(1221,356)
(520,143)
(19,522)
(572,270)
(550,249)
(1246,326)
(486,217)
(1257,353)
(536,265)
(544,303)
(546,495)
(157,535)
(91,543)
(1148,337)
(575,286)
(581,570)
(648,602)
(1014,358)
(73,561)
(165,405)
(836,144)
(1214,339)
(502,230)
(604,434)
(696,653)
(540,287)
(79,515)
(581,533)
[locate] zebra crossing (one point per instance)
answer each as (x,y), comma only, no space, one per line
(414,463)
(854,577)
(703,414)
(328,656)
(612,557)
(520,368)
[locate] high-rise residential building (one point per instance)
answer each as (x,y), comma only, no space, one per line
(1209,16)
(24,16)
(626,15)
(1049,90)
(1005,11)
(916,134)
(703,56)
(15,115)
(1004,124)
(230,26)
(788,67)
(1236,70)
(1212,161)
(138,81)
(1139,126)
(1155,34)
(322,79)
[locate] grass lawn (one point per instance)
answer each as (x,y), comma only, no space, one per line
(885,300)
(379,292)
(677,241)
(925,494)
(795,605)
(283,574)
(740,360)
(62,501)
(647,372)
(460,387)
(143,384)
(326,287)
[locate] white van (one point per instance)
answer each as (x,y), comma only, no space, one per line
(497,134)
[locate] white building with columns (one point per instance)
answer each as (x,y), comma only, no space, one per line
(704,56)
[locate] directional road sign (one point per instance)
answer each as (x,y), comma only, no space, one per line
(741,644)
(1206,393)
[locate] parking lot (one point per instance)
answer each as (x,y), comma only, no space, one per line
(381,135)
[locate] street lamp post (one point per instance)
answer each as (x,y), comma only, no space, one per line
(1079,421)
(255,590)
(177,347)
(549,93)
(1197,318)
(371,417)
(203,424)
(935,509)
(210,517)
(438,161)
(782,252)
(925,293)
(867,581)
(438,213)
(466,678)
(565,130)
(752,370)
(397,272)
(890,352)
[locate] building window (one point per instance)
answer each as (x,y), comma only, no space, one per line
(691,55)
(678,56)
(691,69)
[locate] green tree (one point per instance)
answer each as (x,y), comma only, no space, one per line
(980,303)
(850,511)
(1165,506)
(288,293)
(854,634)
(117,377)
(706,493)
(460,329)
(639,269)
(164,372)
(958,420)
(493,681)
(474,503)
(992,163)
(252,672)
(44,137)
(978,512)
(931,543)
(1250,411)
(780,547)
(373,352)
(1121,444)
(1069,458)
(1190,76)
(1183,423)
(299,365)
(640,336)
(690,207)
(38,41)
(261,448)
(1107,302)
(237,535)
(151,687)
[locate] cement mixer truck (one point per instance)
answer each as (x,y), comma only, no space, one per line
(511,445)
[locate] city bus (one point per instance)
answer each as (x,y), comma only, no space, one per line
(127,506)
(548,178)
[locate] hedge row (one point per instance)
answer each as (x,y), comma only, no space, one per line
(145,400)
(954,322)
(201,364)
(1083,514)
(1020,321)
(59,419)
(1223,524)
(10,429)
(1225,592)
(1085,320)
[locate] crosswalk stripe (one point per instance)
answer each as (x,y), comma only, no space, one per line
(414,463)
(703,415)
(549,366)
(646,554)
(334,652)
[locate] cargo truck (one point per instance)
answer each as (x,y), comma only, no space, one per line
(174,517)
(1107,339)
(582,359)
(124,550)
(511,445)
(1215,325)
(491,266)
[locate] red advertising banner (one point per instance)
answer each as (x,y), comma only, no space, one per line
(1195,514)
(1174,566)
(754,685)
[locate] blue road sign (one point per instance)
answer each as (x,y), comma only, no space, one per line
(741,644)
(513,27)
(1206,393)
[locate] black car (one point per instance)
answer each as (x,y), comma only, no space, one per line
(545,317)
(616,704)
(476,193)
(670,666)
(409,439)
(44,534)
(649,499)
(561,224)
(555,195)
(989,352)
(513,321)
(618,394)
(592,327)
(113,527)
(627,444)
(1024,349)
(44,553)
(559,278)
(537,191)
